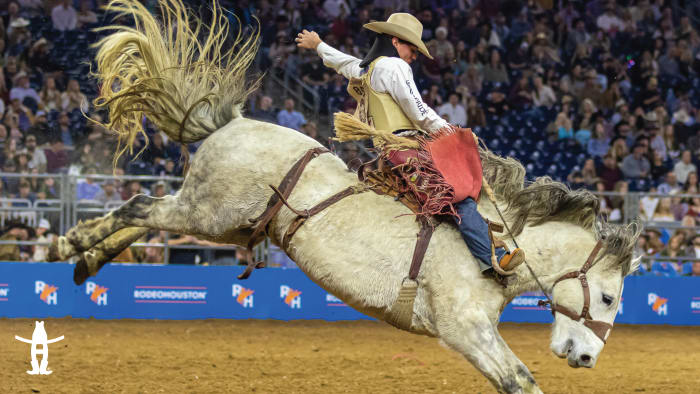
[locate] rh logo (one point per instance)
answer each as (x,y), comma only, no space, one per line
(290,296)
(97,293)
(47,292)
(243,296)
(658,304)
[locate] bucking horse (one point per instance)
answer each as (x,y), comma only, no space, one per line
(180,74)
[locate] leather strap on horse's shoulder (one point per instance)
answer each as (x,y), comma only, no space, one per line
(424,235)
(275,203)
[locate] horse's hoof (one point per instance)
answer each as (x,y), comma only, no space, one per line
(80,272)
(54,254)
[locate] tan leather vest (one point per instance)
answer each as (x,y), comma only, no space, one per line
(377,109)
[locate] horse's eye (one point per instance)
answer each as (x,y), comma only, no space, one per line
(607,299)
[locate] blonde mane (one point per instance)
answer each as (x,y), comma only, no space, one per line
(545,200)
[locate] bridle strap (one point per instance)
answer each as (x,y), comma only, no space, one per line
(600,328)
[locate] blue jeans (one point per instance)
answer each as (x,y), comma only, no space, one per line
(475,233)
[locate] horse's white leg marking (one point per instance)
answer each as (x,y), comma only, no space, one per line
(164,213)
(92,260)
(480,343)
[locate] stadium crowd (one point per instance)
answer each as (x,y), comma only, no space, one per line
(600,94)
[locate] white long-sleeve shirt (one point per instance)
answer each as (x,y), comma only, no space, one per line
(391,75)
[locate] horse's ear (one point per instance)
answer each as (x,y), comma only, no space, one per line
(634,264)
(600,229)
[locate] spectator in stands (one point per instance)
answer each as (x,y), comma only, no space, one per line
(153,254)
(670,185)
(281,51)
(25,191)
(289,117)
(108,192)
(56,156)
(520,95)
(41,252)
(635,165)
(617,202)
(684,167)
(475,115)
(442,50)
(562,126)
(496,102)
(609,22)
(38,159)
(22,159)
(454,111)
(15,232)
(264,111)
(650,98)
(64,130)
(22,90)
(311,130)
(663,211)
(542,95)
(132,188)
(86,16)
(73,98)
(18,118)
(333,8)
(64,16)
(50,96)
(87,189)
(598,145)
(495,71)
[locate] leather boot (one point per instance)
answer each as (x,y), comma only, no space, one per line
(512,259)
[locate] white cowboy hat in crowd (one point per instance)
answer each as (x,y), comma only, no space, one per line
(403,26)
(19,22)
(43,223)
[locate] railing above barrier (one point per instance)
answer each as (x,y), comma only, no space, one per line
(65,211)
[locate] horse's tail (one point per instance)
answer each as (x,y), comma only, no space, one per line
(187,89)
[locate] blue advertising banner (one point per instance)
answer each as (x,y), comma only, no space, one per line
(38,290)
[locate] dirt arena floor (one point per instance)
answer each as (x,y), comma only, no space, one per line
(220,356)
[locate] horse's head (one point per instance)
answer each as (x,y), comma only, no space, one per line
(586,300)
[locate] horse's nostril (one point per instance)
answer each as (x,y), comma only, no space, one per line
(585,358)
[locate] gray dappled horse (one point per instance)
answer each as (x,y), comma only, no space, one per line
(359,249)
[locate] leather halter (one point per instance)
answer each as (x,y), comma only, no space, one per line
(600,328)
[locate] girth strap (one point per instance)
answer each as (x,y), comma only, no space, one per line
(275,203)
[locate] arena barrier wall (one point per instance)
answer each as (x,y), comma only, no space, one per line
(38,290)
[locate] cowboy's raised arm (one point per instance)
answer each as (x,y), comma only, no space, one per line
(396,78)
(346,65)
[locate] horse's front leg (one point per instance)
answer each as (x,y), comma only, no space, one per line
(479,341)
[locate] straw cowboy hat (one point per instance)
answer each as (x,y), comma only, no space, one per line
(403,26)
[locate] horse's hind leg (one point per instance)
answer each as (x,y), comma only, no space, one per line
(90,262)
(165,213)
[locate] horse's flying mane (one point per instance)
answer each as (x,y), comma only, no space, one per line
(545,200)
